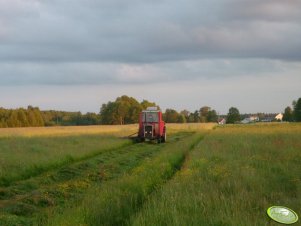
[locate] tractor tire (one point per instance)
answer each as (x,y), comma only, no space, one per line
(163,138)
(164,135)
(140,139)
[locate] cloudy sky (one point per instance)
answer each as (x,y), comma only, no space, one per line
(76,55)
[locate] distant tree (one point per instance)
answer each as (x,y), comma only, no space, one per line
(204,111)
(145,104)
(134,111)
(233,115)
(207,114)
(91,119)
(22,118)
(171,116)
(212,116)
(108,114)
(12,120)
(181,118)
(288,114)
(38,117)
(3,118)
(196,117)
(186,114)
(294,104)
(297,110)
(129,108)
(190,118)
(31,117)
(123,110)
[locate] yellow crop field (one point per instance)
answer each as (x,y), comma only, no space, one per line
(117,130)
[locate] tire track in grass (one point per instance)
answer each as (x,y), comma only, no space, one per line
(27,201)
(38,169)
(54,189)
(114,202)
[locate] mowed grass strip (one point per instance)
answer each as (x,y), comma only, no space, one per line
(114,202)
(28,152)
(232,177)
(34,201)
(25,157)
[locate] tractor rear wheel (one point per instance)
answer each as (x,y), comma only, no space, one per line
(163,138)
(140,139)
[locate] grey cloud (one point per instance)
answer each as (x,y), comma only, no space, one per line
(94,73)
(149,31)
(268,10)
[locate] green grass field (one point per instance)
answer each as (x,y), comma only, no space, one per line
(228,175)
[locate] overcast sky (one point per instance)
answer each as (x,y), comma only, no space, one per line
(185,54)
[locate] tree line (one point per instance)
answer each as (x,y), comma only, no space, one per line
(21,117)
(124,110)
(293,114)
(34,117)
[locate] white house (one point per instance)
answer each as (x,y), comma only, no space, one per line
(222,121)
(279,117)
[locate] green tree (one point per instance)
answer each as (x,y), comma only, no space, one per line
(196,117)
(38,117)
(204,111)
(181,118)
(190,118)
(108,114)
(297,110)
(12,120)
(212,116)
(288,114)
(171,116)
(233,115)
(22,118)
(186,114)
(145,104)
(123,110)
(90,119)
(3,118)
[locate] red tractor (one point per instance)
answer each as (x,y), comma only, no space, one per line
(151,125)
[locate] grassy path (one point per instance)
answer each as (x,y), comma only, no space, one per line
(25,157)
(32,201)
(114,202)
(27,199)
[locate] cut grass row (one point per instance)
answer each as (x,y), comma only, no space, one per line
(114,202)
(33,201)
(232,177)
(27,152)
(25,157)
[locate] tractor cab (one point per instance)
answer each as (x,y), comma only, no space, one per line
(151,125)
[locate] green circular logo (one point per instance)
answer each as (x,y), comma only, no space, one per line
(282,214)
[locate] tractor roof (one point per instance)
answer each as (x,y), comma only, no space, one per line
(151,109)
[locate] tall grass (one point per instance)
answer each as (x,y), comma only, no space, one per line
(23,157)
(115,201)
(232,177)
